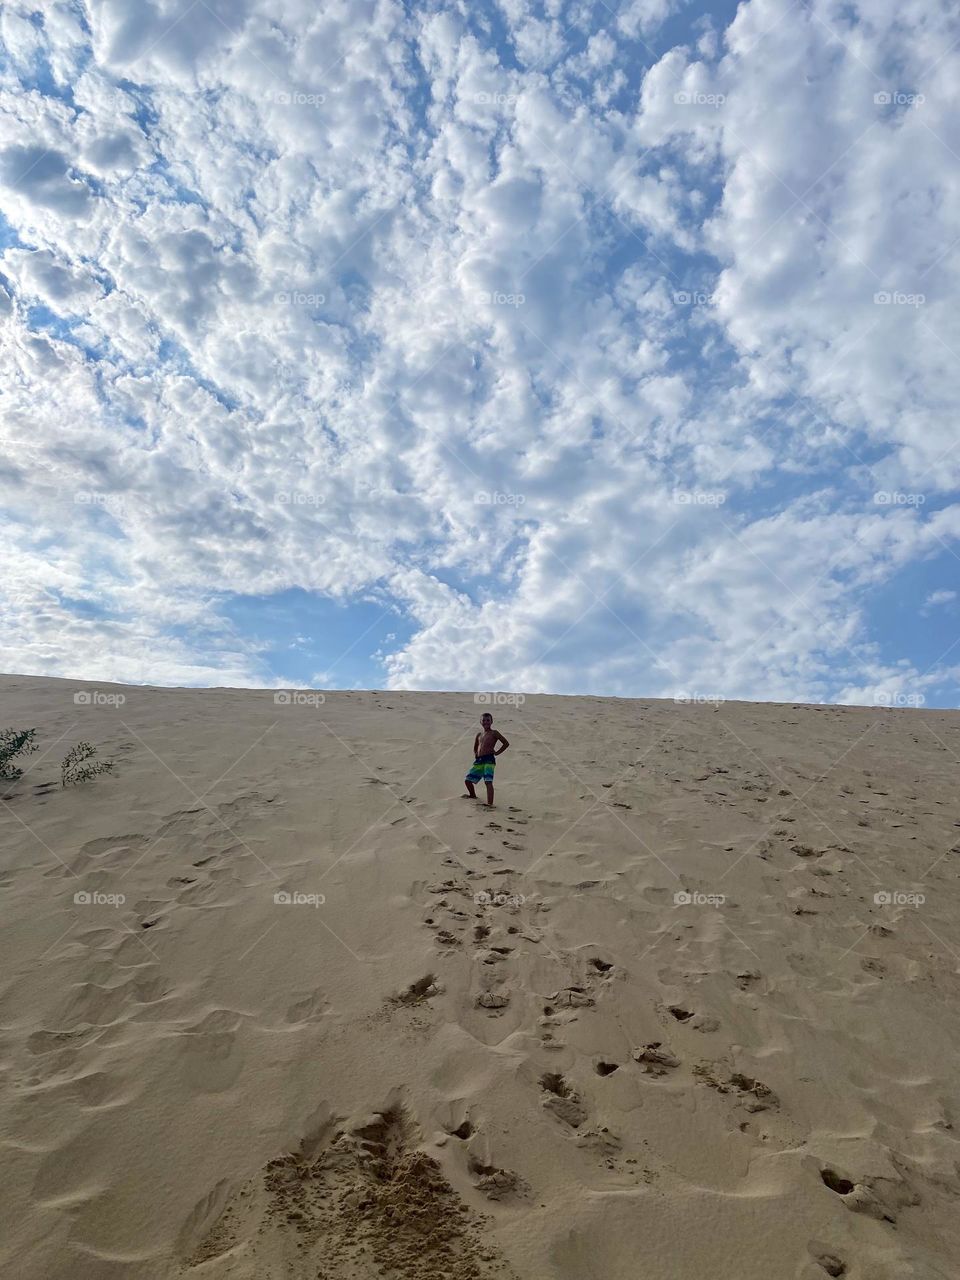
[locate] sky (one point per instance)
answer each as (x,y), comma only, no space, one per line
(585,348)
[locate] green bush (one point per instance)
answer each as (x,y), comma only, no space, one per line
(79,765)
(13,743)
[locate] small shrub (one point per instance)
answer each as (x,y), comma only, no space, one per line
(79,765)
(13,743)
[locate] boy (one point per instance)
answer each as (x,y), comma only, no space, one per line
(485,752)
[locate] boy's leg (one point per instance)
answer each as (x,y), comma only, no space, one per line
(489,786)
(473,776)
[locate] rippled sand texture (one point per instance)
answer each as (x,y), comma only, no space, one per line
(685,1004)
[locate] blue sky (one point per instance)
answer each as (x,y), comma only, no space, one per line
(565,347)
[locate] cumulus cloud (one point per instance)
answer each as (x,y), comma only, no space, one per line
(615,363)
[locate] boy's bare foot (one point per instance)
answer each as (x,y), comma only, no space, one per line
(465,795)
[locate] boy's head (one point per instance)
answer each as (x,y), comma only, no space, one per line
(486,720)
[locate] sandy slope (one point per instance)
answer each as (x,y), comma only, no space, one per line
(500,1048)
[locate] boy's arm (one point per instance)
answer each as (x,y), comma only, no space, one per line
(503,744)
(476,745)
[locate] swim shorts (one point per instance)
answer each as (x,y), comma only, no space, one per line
(481,770)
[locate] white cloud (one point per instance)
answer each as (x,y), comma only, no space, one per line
(358,257)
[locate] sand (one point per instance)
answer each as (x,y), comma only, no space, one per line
(647,1020)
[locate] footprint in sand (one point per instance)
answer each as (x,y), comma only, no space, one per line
(752,1094)
(747,979)
(101,1006)
(655,1059)
(497,1184)
(704,1022)
(827,1259)
(416,993)
(210,1059)
(562,1100)
(104,853)
(44,1042)
(311,1007)
(572,998)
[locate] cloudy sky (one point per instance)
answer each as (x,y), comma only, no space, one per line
(579,347)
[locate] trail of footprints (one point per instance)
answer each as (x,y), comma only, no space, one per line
(363,1192)
(473,908)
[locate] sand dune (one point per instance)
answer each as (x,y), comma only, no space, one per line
(674,1009)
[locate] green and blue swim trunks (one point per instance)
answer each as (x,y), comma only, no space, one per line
(482,769)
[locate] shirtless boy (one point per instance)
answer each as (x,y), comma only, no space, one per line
(485,750)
